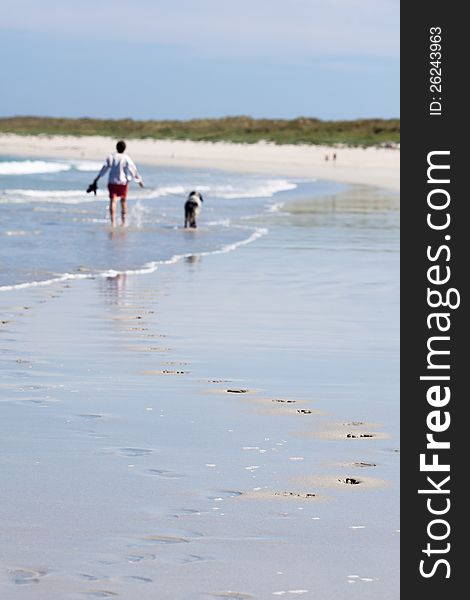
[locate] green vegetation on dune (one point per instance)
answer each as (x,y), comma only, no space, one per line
(303,130)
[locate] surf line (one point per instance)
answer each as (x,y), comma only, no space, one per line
(441,300)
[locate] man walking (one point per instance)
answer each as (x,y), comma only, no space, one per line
(121,169)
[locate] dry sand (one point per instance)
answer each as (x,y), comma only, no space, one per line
(372,166)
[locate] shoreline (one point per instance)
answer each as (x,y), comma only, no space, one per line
(377,167)
(355,198)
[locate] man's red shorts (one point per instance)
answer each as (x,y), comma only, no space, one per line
(117,189)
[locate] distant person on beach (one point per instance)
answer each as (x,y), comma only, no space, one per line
(121,169)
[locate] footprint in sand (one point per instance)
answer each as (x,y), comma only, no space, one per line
(364,431)
(38,401)
(27,576)
(89,417)
(164,372)
(349,480)
(297,592)
(89,577)
(171,372)
(138,579)
(191,558)
(96,435)
(100,593)
(222,495)
(134,452)
(267,494)
(231,595)
(305,495)
(186,512)
(140,348)
(165,539)
(163,474)
(136,558)
(178,363)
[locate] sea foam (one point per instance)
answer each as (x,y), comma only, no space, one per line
(249,189)
(31,167)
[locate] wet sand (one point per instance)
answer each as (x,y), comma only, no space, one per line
(184,434)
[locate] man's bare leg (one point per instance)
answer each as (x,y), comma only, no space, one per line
(123,211)
(112,210)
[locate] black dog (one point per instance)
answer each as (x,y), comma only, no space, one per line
(192,208)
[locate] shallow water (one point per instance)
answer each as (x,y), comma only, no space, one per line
(51,228)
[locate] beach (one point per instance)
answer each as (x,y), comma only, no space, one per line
(209,414)
(371,166)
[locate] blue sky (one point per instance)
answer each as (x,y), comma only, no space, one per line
(180,59)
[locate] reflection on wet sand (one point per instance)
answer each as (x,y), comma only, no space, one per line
(192,259)
(115,289)
(355,199)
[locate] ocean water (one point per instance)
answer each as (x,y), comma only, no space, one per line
(51,229)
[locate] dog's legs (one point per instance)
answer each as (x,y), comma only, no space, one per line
(190,213)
